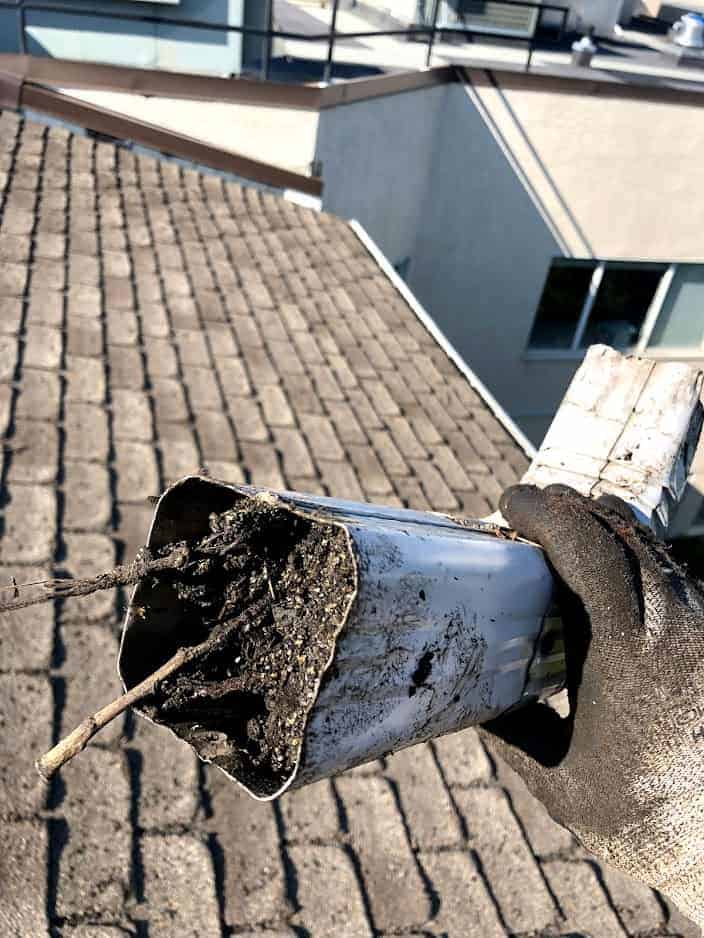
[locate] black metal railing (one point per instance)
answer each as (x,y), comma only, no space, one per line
(428,30)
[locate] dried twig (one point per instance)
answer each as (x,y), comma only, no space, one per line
(76,741)
(145,565)
(124,575)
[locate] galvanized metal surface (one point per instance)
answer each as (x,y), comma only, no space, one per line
(439,635)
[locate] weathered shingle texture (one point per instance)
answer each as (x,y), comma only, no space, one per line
(156,322)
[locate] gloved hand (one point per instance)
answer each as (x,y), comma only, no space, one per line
(625,771)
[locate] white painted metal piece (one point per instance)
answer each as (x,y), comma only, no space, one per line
(626,426)
(651,317)
(303,198)
(590,299)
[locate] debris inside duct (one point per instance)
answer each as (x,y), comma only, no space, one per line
(268,590)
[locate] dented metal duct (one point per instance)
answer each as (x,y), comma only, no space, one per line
(438,634)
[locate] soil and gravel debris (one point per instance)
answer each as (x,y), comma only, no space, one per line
(268,589)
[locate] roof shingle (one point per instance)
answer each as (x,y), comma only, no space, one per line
(167,322)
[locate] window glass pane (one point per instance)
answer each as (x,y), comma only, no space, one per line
(681,320)
(560,305)
(625,293)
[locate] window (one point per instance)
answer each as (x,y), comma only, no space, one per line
(564,295)
(621,304)
(680,323)
(614,302)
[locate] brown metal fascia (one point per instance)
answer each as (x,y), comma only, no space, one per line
(66,73)
(607,85)
(363,89)
(121,127)
(10,90)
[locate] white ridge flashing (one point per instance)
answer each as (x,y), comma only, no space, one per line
(313,202)
(442,340)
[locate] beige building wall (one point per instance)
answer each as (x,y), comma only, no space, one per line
(628,166)
(544,168)
(670,11)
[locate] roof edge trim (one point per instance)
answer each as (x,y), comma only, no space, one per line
(317,96)
(75,74)
(123,128)
(475,382)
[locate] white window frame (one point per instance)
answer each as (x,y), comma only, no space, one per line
(589,300)
(654,310)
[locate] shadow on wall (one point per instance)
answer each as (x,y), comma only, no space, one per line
(376,158)
(545,174)
(482,254)
(432,177)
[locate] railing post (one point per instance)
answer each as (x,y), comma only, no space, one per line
(531,41)
(433,26)
(327,72)
(266,43)
(22,28)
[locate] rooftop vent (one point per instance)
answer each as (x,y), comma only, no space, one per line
(688,31)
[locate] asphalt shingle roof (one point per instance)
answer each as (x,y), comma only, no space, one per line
(155,321)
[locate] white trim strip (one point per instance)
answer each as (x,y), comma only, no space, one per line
(303,198)
(443,341)
(594,285)
(651,317)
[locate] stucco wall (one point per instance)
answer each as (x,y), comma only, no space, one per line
(482,254)
(426,175)
(9,19)
(376,157)
(630,169)
(603,15)
(105,39)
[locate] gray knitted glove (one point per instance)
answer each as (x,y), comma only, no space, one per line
(625,771)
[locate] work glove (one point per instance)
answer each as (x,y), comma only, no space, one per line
(625,770)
